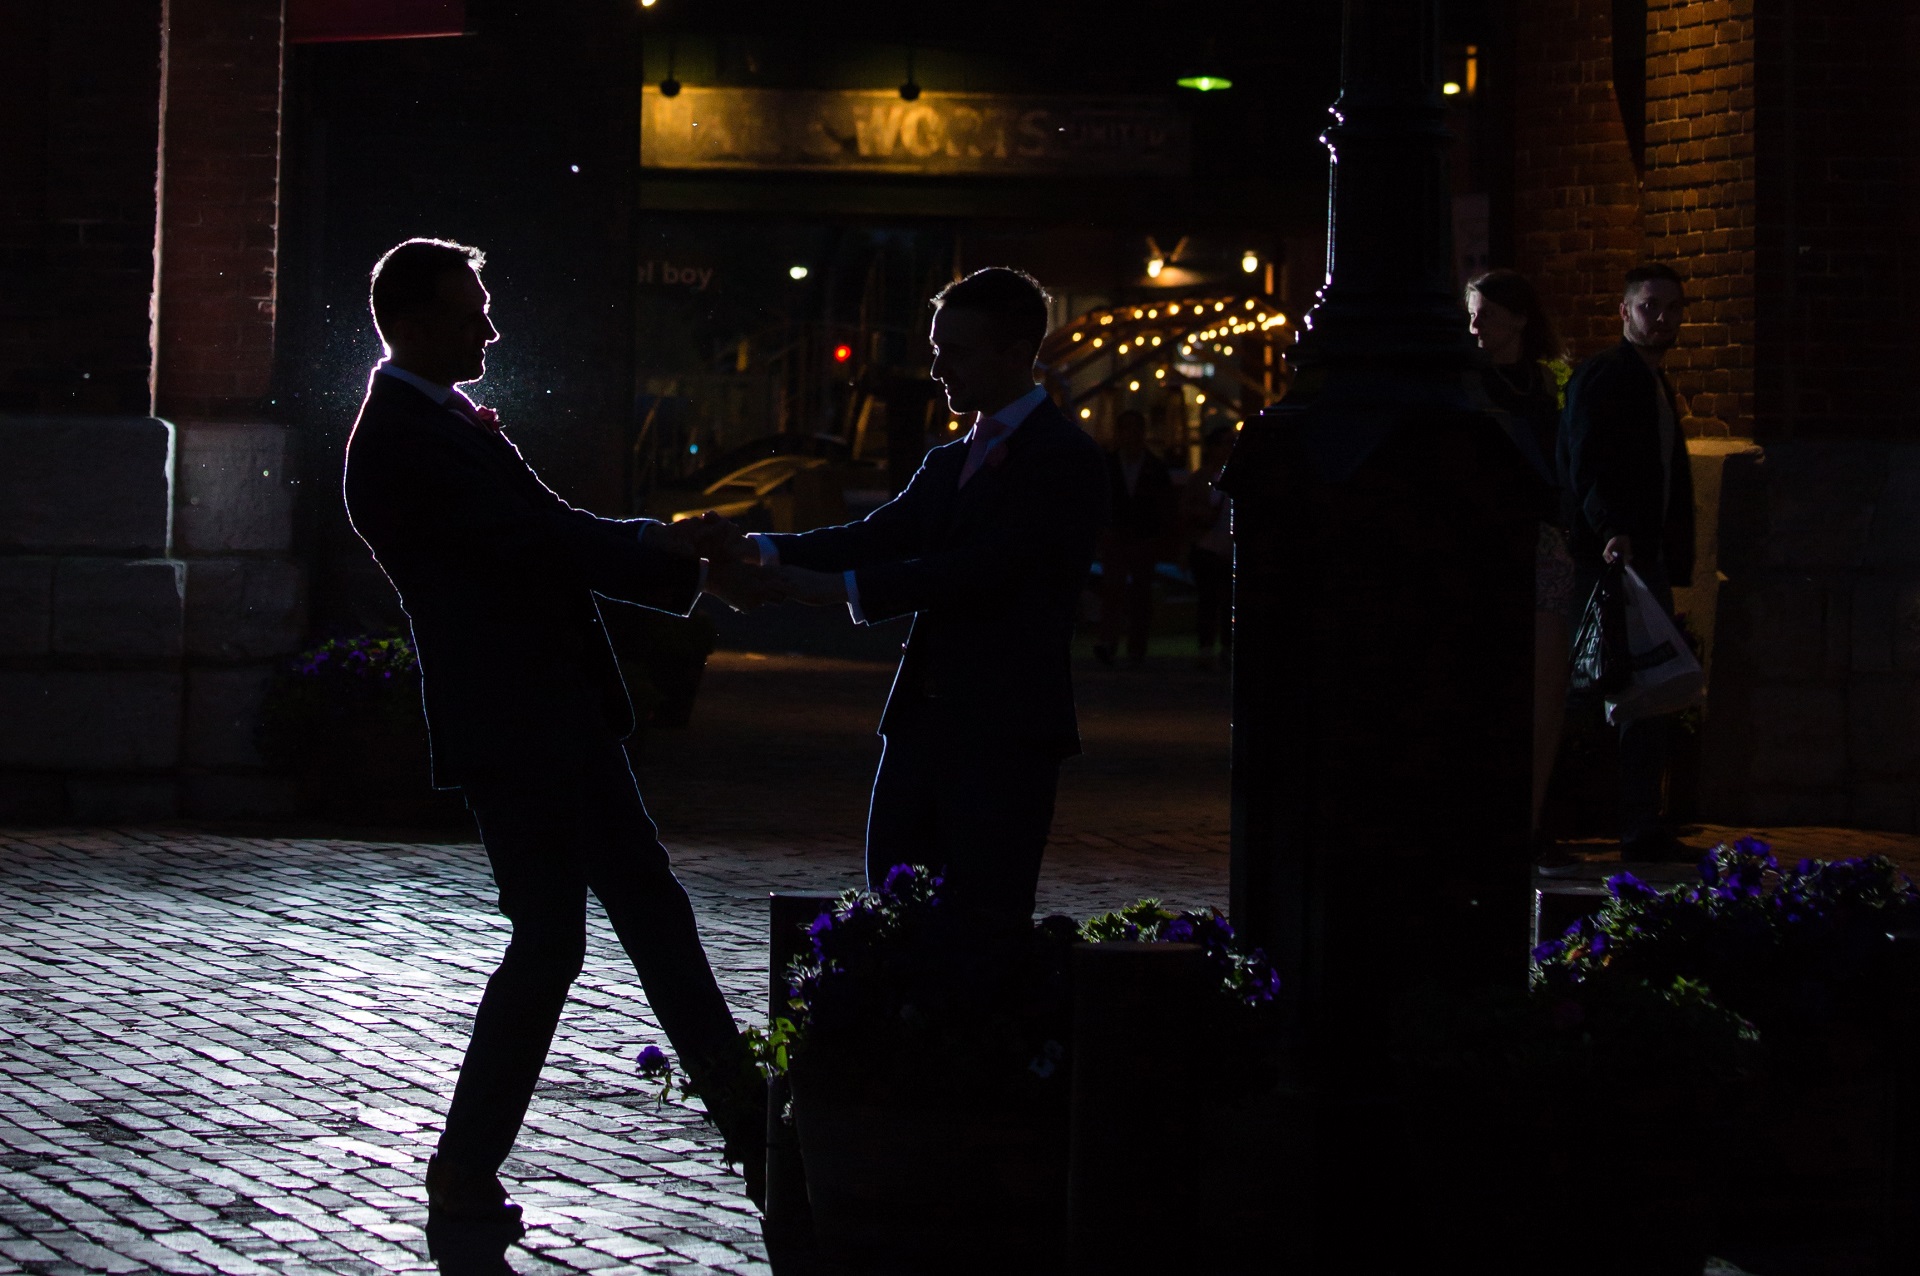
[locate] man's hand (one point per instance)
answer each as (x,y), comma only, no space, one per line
(741,586)
(712,536)
(1618,548)
(815,589)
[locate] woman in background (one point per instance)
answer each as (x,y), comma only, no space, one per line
(1526,377)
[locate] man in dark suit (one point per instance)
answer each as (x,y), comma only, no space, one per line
(526,711)
(988,548)
(1142,495)
(1631,490)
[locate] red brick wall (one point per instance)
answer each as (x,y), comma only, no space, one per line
(78,94)
(1699,198)
(1839,218)
(1577,219)
(220,157)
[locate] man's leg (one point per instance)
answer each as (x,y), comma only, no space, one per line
(902,823)
(995,812)
(1644,747)
(530,841)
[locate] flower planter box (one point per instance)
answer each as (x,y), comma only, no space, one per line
(931,1189)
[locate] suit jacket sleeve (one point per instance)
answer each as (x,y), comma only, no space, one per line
(1047,521)
(451,491)
(1600,472)
(895,530)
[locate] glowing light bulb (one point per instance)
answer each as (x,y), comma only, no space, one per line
(1079,336)
(796,272)
(1250,303)
(1123,347)
(1173,309)
(1250,261)
(1154,267)
(1278,318)
(1098,342)
(953,425)
(1201,397)
(1139,314)
(1153,314)
(1226,350)
(1106,319)
(1159,374)
(1086,414)
(1239,426)
(1133,385)
(1450,89)
(1219,305)
(1156,341)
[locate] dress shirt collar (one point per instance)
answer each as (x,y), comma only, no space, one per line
(438,393)
(1019,410)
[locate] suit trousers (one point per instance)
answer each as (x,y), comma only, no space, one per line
(1645,745)
(555,828)
(978,810)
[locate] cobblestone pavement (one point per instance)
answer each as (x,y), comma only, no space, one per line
(228,1050)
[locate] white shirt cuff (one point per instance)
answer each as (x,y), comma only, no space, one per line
(703,575)
(853,599)
(769,552)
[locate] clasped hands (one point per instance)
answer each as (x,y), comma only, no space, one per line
(735,574)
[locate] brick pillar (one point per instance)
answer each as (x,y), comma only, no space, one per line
(1577,219)
(1700,199)
(219,206)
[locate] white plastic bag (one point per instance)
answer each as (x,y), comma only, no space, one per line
(1666,677)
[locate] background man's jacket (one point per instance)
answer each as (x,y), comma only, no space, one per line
(1610,454)
(497,575)
(992,574)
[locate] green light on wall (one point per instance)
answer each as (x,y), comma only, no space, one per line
(1204,83)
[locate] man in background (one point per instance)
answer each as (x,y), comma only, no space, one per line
(1141,491)
(1631,491)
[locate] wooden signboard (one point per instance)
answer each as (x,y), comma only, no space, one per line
(939,134)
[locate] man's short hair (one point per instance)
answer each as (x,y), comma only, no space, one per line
(1012,299)
(407,276)
(1654,272)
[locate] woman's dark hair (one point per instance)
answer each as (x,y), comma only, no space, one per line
(1012,299)
(1510,290)
(407,276)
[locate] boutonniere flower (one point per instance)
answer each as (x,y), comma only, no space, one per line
(487,417)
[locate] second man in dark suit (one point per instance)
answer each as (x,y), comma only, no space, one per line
(988,548)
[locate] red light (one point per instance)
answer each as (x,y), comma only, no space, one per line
(842,353)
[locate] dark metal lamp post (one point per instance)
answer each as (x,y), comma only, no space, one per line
(1383,596)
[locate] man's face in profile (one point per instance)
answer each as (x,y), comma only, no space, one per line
(1651,314)
(447,340)
(972,362)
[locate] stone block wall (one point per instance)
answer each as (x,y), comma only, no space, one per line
(1699,199)
(146,600)
(1814,710)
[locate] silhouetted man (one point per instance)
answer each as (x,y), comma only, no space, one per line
(526,711)
(988,548)
(1631,487)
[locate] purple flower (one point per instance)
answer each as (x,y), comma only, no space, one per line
(653,1061)
(1599,944)
(1626,886)
(1178,931)
(899,877)
(1549,950)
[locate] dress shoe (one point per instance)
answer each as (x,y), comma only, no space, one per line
(475,1202)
